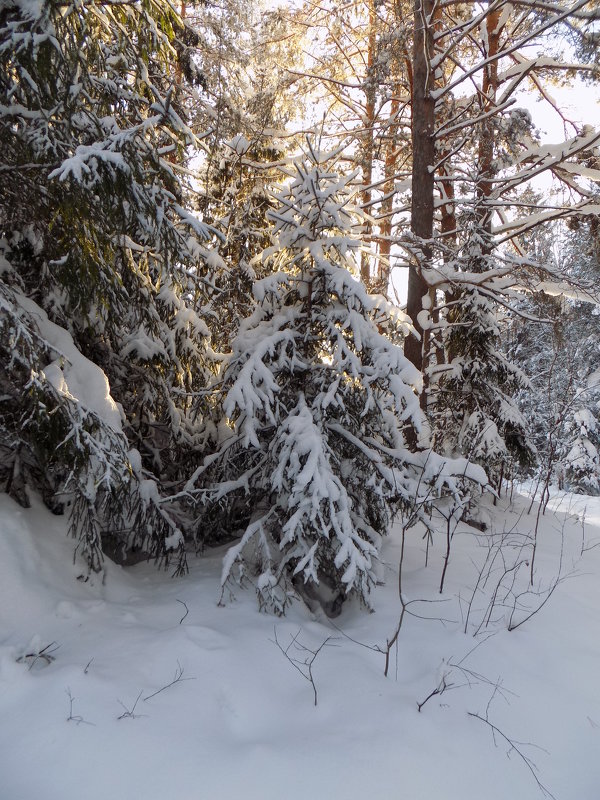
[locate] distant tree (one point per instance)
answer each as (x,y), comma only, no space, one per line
(474,158)
(357,65)
(237,198)
(562,356)
(473,400)
(581,444)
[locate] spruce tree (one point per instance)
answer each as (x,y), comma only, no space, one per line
(319,401)
(94,232)
(474,407)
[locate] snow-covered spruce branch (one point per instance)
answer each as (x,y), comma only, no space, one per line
(62,433)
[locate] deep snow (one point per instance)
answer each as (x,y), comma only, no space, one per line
(241,722)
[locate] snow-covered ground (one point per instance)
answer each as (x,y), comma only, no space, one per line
(93,715)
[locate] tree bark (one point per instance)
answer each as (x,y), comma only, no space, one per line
(489,89)
(423,153)
(368,153)
(387,203)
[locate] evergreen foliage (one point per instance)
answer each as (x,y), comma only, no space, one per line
(582,460)
(562,356)
(564,394)
(236,199)
(72,448)
(318,402)
(139,340)
(475,411)
(94,229)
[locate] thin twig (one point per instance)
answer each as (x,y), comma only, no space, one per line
(514,746)
(177,678)
(76,718)
(129,712)
(187,611)
(45,654)
(439,689)
(304,667)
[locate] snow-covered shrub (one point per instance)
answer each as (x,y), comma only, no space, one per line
(313,462)
(60,434)
(581,463)
(93,204)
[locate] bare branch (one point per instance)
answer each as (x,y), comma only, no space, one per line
(302,665)
(177,678)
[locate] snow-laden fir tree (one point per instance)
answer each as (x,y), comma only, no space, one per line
(567,388)
(562,356)
(236,199)
(581,442)
(94,231)
(61,433)
(319,400)
(581,463)
(474,408)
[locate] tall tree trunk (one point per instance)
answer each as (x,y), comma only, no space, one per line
(489,88)
(402,77)
(423,154)
(448,231)
(387,203)
(368,153)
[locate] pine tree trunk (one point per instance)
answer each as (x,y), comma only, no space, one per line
(485,183)
(387,204)
(423,152)
(368,153)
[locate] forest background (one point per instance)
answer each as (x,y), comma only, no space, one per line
(201,211)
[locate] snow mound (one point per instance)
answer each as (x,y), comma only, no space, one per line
(72,374)
(142,686)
